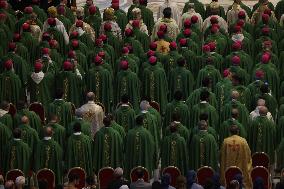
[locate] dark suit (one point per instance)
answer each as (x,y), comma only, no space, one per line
(140,184)
(117,183)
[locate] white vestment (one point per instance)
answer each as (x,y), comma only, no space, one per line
(189,14)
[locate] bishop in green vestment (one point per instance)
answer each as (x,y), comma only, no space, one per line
(100,80)
(10,84)
(5,137)
(203,149)
(280,155)
(59,132)
(108,145)
(49,154)
(147,15)
(262,134)
(174,151)
(198,7)
(61,108)
(79,151)
(125,114)
(86,126)
(93,19)
(34,119)
(140,144)
(5,117)
(178,106)
(204,107)
(224,130)
(40,85)
(155,83)
(127,82)
(180,79)
(17,154)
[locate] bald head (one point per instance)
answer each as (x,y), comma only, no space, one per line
(202,125)
(235,113)
(260,102)
(234,129)
(235,95)
(90,96)
(263,110)
(144,105)
(48,131)
(25,120)
(173,127)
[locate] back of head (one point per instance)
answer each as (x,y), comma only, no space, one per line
(124,98)
(264,89)
(77,127)
(258,183)
(5,105)
(21,105)
(59,94)
(176,116)
(206,82)
(166,180)
(139,120)
(235,113)
(140,173)
(209,184)
(167,12)
(42,184)
(17,133)
(203,116)
(118,172)
(202,125)
(234,129)
(234,184)
(90,180)
(178,95)
(48,131)
(190,178)
(144,105)
(73,177)
(25,120)
(204,95)
(181,62)
(107,121)
(90,96)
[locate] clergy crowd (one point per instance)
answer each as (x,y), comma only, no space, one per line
(197,87)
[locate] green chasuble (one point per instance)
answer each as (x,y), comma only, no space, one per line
(31,43)
(226,112)
(119,129)
(138,50)
(169,61)
(115,42)
(194,97)
(259,3)
(180,79)
(132,64)
(95,22)
(271,76)
(41,90)
(20,66)
(59,134)
(129,11)
(147,17)
(140,144)
(203,151)
(58,36)
(125,116)
(204,107)
(85,127)
(34,119)
(150,123)
(10,87)
(174,153)
(246,60)
(127,82)
(108,148)
(65,21)
(6,119)
(254,88)
(280,130)
(49,155)
(225,129)
(280,155)
(41,15)
(5,137)
(210,130)
(86,10)
(100,80)
(79,153)
(262,136)
(142,37)
(198,7)
(222,91)
(63,110)
(208,71)
(179,107)
(245,96)
(72,86)
(220,11)
(29,136)
(17,156)
(279,9)
(121,18)
(181,130)
(155,85)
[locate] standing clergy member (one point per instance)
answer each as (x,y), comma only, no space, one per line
(107,147)
(17,153)
(203,149)
(139,147)
(92,113)
(79,151)
(175,11)
(174,150)
(236,152)
(49,154)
